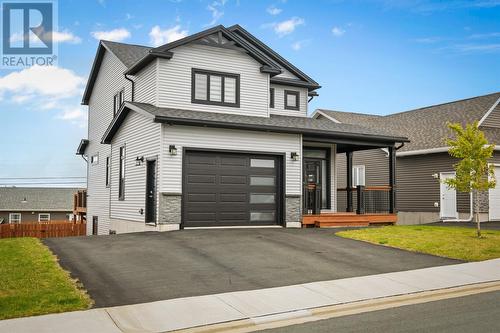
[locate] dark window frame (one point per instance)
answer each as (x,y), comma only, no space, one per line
(108,171)
(271,97)
(297,99)
(223,76)
(118,100)
(121,173)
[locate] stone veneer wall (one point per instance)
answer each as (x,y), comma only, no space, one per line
(170,208)
(293,209)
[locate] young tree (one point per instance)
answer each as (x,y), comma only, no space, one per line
(473,173)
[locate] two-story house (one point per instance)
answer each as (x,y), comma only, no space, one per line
(209,130)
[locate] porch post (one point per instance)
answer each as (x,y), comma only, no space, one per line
(349,181)
(392,179)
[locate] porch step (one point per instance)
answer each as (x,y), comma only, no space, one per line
(347,219)
(336,223)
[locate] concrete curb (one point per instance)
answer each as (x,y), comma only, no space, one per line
(245,310)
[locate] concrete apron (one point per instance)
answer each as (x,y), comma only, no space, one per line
(252,310)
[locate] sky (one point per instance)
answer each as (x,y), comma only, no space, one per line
(369,56)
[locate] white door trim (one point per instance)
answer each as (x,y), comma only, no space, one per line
(490,204)
(442,187)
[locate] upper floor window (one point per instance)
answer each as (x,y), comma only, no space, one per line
(215,88)
(292,100)
(108,171)
(271,97)
(118,100)
(358,175)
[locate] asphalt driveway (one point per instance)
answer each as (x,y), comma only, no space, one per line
(145,267)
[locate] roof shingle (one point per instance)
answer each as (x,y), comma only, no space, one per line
(37,198)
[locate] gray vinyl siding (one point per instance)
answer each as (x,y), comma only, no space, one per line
(287,75)
(279,101)
(110,80)
(493,119)
(213,138)
(376,165)
(174,79)
(141,137)
(146,83)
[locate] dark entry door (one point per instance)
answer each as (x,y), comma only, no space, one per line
(312,184)
(230,189)
(151,191)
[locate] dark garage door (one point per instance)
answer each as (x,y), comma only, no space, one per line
(228,189)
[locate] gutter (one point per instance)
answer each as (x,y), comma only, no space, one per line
(430,151)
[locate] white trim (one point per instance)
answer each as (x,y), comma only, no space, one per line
(43,214)
(355,178)
(10,217)
(430,151)
(489,196)
(489,111)
(317,111)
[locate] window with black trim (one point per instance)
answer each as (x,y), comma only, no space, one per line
(271,97)
(118,100)
(215,88)
(121,175)
(108,173)
(292,101)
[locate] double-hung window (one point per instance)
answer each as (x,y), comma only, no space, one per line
(215,88)
(43,217)
(121,175)
(358,175)
(271,98)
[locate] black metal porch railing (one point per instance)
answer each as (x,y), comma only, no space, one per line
(374,199)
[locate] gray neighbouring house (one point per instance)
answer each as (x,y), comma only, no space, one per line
(421,198)
(210,130)
(36,204)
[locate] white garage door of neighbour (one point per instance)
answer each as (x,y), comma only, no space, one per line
(494,201)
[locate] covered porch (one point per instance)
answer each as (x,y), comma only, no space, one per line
(333,197)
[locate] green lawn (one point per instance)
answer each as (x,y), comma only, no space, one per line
(452,242)
(33,283)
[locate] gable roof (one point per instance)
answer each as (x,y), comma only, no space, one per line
(36,199)
(280,124)
(128,54)
(269,66)
(274,55)
(425,127)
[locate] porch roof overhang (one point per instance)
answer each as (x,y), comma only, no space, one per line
(312,129)
(82,146)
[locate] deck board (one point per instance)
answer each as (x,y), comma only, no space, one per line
(347,219)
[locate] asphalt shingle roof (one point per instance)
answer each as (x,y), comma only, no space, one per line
(128,54)
(37,198)
(426,127)
(285,123)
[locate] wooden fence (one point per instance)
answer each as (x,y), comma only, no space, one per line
(43,229)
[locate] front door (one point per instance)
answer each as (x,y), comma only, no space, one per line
(312,185)
(448,198)
(151,191)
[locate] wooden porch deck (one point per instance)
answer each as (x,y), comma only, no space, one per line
(345,219)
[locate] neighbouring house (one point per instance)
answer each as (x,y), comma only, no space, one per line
(211,130)
(36,204)
(421,197)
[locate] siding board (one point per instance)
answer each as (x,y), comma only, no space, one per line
(279,101)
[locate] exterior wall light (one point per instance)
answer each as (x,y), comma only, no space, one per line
(435,176)
(172,150)
(139,160)
(294,156)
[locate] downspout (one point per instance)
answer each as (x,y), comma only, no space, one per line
(310,99)
(132,88)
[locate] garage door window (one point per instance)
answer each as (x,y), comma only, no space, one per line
(268,198)
(261,216)
(262,181)
(261,163)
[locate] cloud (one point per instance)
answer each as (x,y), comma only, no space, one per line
(116,35)
(273,10)
(288,26)
(485,35)
(216,9)
(476,48)
(77,116)
(50,81)
(57,36)
(159,37)
(337,31)
(428,40)
(298,45)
